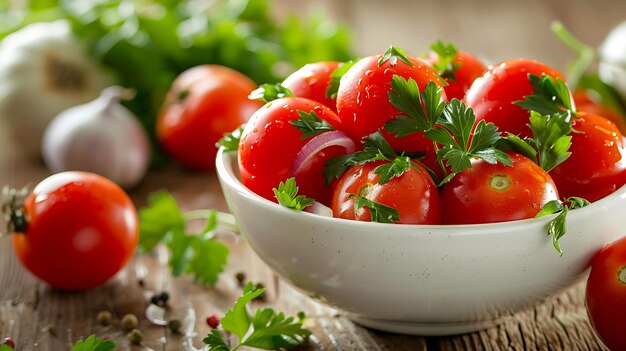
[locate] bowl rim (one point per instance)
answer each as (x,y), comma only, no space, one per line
(226,160)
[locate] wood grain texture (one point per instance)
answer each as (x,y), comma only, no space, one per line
(497,30)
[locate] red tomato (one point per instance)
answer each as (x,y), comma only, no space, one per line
(585,104)
(414,194)
(597,165)
(203,103)
(492,95)
(363,99)
(489,193)
(82,229)
(469,70)
(311,82)
(269,145)
(606,294)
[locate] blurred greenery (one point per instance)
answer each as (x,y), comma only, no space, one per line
(147,43)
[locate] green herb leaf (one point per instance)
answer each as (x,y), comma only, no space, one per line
(514,143)
(396,168)
(335,78)
(162,221)
(557,227)
(393,54)
(606,94)
(94,343)
(378,212)
(310,124)
(445,65)
(287,195)
(230,141)
(266,329)
(550,96)
(269,92)
(551,138)
(422,110)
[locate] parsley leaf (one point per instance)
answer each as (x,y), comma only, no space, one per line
(335,78)
(266,329)
(94,343)
(550,96)
(454,132)
(393,54)
(310,124)
(287,195)
(395,168)
(269,92)
(550,142)
(230,141)
(557,227)
(378,212)
(445,65)
(422,110)
(162,221)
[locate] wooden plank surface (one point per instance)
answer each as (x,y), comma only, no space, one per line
(497,30)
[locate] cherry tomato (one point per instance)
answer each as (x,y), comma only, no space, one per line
(492,95)
(311,82)
(585,104)
(487,193)
(597,165)
(414,194)
(203,103)
(269,145)
(82,229)
(606,294)
(363,99)
(469,70)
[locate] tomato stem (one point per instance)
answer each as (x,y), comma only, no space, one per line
(621,275)
(13,209)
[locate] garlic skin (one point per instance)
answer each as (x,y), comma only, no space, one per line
(612,66)
(44,69)
(102,137)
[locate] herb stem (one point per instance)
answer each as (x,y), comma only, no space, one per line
(586,54)
(225,220)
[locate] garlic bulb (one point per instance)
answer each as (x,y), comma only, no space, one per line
(612,67)
(44,69)
(101,136)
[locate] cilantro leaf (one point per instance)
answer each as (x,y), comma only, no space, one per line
(335,78)
(265,329)
(557,227)
(287,195)
(395,168)
(422,110)
(230,141)
(550,96)
(162,221)
(393,54)
(445,65)
(94,343)
(310,124)
(269,92)
(378,212)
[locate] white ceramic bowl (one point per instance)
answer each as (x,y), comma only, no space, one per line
(421,279)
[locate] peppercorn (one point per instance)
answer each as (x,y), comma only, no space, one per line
(213,321)
(135,336)
(129,322)
(104,318)
(241,277)
(174,325)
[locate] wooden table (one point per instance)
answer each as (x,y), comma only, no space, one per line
(38,317)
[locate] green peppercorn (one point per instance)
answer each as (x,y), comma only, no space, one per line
(135,336)
(174,325)
(104,318)
(129,322)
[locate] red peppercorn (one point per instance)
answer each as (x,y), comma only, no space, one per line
(7,341)
(213,321)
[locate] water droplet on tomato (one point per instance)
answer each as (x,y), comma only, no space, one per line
(369,73)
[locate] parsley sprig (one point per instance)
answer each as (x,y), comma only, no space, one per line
(94,343)
(287,195)
(445,65)
(335,78)
(393,54)
(558,226)
(265,329)
(230,141)
(162,221)
(310,124)
(269,92)
(378,212)
(551,96)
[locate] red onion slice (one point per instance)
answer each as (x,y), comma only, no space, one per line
(317,144)
(319,209)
